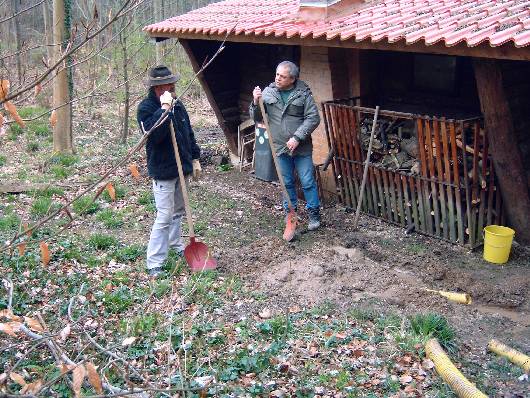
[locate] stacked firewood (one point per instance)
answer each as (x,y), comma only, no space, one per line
(395,143)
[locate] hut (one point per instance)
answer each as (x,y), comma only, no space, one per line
(451,77)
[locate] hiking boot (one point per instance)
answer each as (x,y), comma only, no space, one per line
(314,219)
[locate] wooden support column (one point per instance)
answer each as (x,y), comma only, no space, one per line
(507,157)
(231,138)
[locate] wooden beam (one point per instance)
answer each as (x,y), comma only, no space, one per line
(507,157)
(230,136)
(506,51)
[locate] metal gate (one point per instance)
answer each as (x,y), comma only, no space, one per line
(451,192)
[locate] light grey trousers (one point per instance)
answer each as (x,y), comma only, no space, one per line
(166,231)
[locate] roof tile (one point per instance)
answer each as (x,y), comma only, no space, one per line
(472,22)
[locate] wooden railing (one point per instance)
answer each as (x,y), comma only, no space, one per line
(452,195)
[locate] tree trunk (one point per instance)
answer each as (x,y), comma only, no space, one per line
(507,157)
(46,17)
(125,125)
(158,6)
(18,40)
(62,132)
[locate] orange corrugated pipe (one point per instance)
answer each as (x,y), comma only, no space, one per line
(449,373)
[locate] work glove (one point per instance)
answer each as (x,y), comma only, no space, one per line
(196,170)
(166,98)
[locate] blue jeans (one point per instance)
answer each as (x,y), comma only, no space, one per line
(304,168)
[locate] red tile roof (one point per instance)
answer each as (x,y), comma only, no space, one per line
(428,21)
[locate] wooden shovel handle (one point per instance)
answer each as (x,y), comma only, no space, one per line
(183,186)
(273,150)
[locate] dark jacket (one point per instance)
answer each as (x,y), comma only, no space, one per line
(298,118)
(161,162)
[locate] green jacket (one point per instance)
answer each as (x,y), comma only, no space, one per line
(297,118)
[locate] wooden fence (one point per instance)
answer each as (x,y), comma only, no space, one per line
(452,195)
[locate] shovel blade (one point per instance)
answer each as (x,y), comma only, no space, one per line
(290,226)
(198,257)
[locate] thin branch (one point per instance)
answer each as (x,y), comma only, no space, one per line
(68,53)
(21,12)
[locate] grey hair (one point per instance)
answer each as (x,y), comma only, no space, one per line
(293,69)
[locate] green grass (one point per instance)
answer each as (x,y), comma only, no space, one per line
(9,222)
(119,190)
(85,205)
(32,146)
(42,206)
(127,254)
(48,192)
(3,160)
(14,132)
(59,172)
(110,218)
(118,300)
(64,159)
(434,325)
(102,242)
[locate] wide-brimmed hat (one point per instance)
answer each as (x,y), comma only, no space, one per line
(160,75)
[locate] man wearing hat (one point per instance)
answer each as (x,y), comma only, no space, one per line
(161,165)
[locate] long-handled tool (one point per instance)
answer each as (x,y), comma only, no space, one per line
(365,173)
(290,225)
(197,254)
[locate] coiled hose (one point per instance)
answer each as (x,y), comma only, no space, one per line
(449,373)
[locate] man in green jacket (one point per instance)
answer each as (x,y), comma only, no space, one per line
(293,116)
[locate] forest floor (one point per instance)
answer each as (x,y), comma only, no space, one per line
(336,312)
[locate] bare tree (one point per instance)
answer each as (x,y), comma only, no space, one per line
(62,131)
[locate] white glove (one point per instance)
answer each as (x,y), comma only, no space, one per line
(196,169)
(166,98)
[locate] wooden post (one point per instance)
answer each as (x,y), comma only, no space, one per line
(507,157)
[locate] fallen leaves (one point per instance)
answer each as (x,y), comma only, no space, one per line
(78,376)
(128,341)
(4,89)
(7,329)
(65,332)
(12,110)
(93,378)
(133,168)
(53,118)
(111,191)
(17,378)
(45,253)
(265,313)
(33,324)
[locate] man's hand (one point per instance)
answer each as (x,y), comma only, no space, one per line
(166,100)
(196,169)
(292,144)
(256,94)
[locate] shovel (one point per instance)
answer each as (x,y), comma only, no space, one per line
(197,254)
(290,224)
